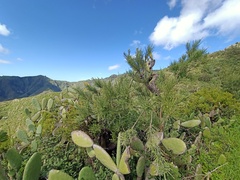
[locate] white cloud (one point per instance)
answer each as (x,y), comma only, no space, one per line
(4,61)
(135,43)
(110,68)
(19,59)
(172,3)
(197,20)
(3,50)
(3,30)
(137,32)
(156,55)
(226,19)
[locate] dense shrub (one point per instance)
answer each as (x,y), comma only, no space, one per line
(208,99)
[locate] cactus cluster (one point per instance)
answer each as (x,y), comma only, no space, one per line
(16,162)
(119,168)
(30,136)
(135,148)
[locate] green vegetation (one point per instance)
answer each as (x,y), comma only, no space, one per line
(181,122)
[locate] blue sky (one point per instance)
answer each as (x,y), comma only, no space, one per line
(82,39)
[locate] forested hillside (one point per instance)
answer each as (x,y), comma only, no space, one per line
(182,122)
(12,87)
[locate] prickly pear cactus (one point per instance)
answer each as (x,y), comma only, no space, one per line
(140,168)
(36,104)
(33,167)
(104,158)
(2,173)
(86,173)
(50,104)
(58,175)
(14,159)
(81,139)
(176,145)
(22,136)
(3,136)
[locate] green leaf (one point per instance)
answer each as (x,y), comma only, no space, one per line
(22,136)
(28,113)
(39,130)
(176,125)
(86,173)
(90,152)
(36,104)
(31,128)
(153,169)
(137,144)
(115,177)
(2,173)
(14,158)
(191,123)
(104,158)
(33,167)
(118,156)
(36,116)
(206,132)
(177,146)
(81,139)
(208,122)
(50,104)
(123,165)
(118,177)
(58,175)
(29,122)
(222,159)
(44,103)
(140,166)
(3,136)
(34,145)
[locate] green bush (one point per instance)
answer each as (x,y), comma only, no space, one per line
(207,99)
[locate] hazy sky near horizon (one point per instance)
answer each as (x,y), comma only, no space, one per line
(82,39)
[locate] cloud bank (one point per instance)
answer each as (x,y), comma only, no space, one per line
(3,30)
(110,68)
(198,19)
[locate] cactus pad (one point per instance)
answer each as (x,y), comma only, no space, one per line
(137,144)
(14,158)
(177,146)
(123,164)
(104,158)
(33,167)
(86,173)
(58,175)
(141,166)
(81,139)
(191,123)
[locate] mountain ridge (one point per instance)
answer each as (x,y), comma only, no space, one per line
(12,87)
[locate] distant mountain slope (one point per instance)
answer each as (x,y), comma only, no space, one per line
(12,87)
